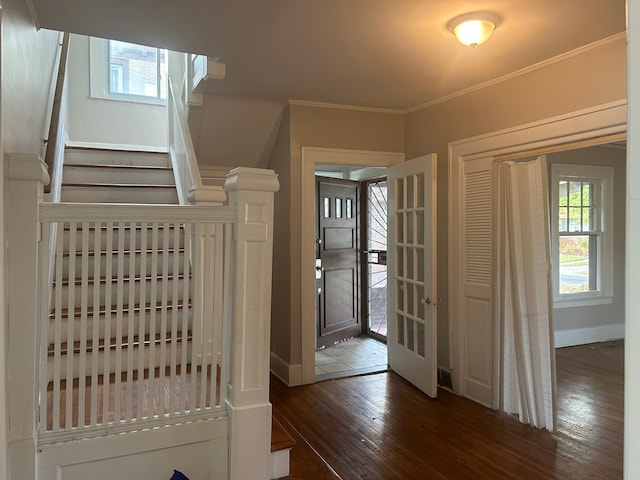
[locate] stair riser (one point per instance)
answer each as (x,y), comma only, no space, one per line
(169,259)
(109,194)
(127,239)
(115,175)
(115,157)
(126,293)
(137,320)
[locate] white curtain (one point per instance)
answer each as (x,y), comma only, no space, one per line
(528,357)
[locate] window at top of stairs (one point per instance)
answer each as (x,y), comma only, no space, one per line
(127,71)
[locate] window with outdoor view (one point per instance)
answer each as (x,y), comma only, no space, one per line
(128,72)
(137,70)
(582,230)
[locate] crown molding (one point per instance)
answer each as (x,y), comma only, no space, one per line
(518,73)
(339,106)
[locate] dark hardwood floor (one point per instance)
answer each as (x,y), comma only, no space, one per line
(380,427)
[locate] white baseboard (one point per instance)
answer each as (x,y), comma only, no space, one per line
(581,336)
(291,375)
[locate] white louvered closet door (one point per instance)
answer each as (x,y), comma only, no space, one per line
(477,315)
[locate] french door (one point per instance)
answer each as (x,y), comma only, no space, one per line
(411,283)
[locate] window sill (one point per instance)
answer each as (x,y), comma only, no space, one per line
(131,99)
(582,302)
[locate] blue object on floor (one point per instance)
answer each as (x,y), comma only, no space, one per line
(179,476)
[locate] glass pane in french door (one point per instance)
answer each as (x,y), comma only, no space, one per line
(410,256)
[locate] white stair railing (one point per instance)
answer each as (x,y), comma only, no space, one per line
(151,284)
(191,190)
(212,361)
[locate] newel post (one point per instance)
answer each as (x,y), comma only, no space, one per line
(251,191)
(25,177)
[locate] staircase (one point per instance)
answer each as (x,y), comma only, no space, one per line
(105,289)
(127,177)
(116,176)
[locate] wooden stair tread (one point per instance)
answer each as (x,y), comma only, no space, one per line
(102,280)
(100,149)
(118,166)
(64,313)
(119,185)
(136,251)
(112,343)
(280,438)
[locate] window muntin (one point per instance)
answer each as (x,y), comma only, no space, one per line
(582,234)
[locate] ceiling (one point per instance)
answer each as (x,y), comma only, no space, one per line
(393,54)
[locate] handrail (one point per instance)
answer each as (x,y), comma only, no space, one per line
(105,212)
(181,149)
(52,157)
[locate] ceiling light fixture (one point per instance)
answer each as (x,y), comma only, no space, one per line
(473,29)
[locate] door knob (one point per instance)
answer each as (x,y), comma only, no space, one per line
(428,301)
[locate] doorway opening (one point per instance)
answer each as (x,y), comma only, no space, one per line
(375,241)
(351,307)
(474,360)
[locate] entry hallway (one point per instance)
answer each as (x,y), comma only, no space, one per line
(380,427)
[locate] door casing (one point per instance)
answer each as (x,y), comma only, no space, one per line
(310,156)
(594,126)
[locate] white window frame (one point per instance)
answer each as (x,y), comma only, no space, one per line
(99,76)
(602,177)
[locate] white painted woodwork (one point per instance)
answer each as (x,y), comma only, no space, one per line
(411,275)
(304,372)
(632,272)
(251,193)
(190,187)
(4,417)
(112,302)
(474,328)
(198,449)
(25,177)
(280,463)
(478,245)
(203,70)
(225,329)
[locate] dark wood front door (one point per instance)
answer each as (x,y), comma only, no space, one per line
(338,276)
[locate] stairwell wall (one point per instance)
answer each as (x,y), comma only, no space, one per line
(107,121)
(28,58)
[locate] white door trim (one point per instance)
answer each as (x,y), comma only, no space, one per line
(310,156)
(588,127)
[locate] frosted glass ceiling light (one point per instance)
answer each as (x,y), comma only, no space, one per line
(472,29)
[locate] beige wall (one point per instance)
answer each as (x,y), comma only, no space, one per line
(314,127)
(280,162)
(594,77)
(600,316)
(99,120)
(28,58)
